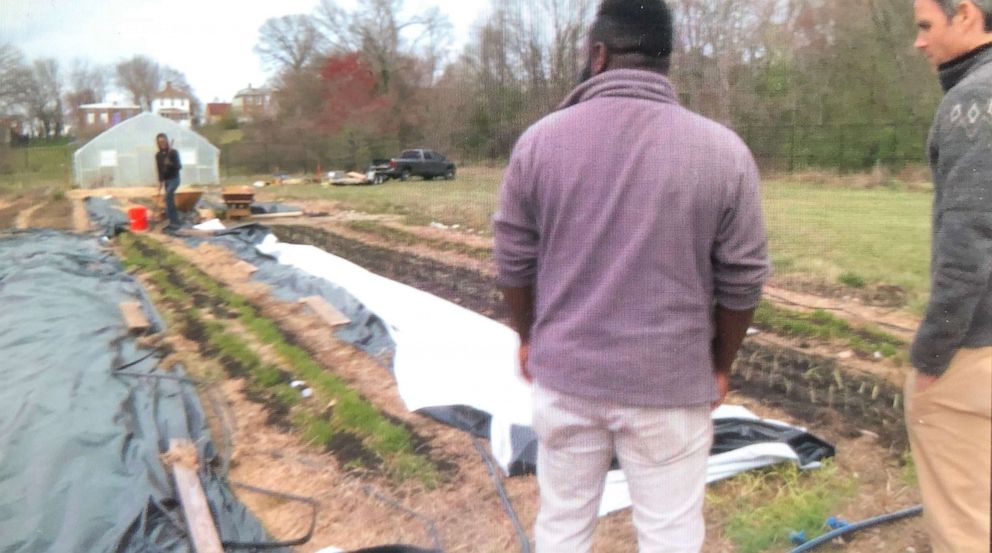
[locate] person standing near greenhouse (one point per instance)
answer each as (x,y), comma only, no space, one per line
(168,164)
(949,395)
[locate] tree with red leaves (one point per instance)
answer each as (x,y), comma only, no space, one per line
(350,95)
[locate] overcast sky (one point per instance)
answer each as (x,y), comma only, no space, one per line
(210,41)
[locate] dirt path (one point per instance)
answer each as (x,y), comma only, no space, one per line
(10,212)
(894,321)
(22,221)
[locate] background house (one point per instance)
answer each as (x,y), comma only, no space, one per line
(173,104)
(252,104)
(124,155)
(95,118)
(216,112)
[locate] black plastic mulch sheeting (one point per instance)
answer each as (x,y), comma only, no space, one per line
(366,330)
(106,213)
(79,444)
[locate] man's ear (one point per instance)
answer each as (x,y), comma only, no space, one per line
(600,58)
(968,15)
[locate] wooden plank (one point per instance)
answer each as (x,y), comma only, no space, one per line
(202,530)
(325,311)
(134,316)
(277,215)
(244,267)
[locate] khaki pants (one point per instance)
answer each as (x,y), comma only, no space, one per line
(662,452)
(951,438)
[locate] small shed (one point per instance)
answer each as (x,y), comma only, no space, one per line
(124,155)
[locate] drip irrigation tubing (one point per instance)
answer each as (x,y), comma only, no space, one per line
(431,527)
(177,378)
(857,526)
(314,506)
(504,497)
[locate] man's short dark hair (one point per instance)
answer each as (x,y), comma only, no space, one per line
(985,6)
(641,27)
(161,135)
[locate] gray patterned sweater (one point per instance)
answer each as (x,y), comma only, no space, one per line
(960,149)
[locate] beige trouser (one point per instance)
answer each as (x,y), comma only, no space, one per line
(951,438)
(662,452)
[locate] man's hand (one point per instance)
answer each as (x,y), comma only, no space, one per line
(924,381)
(524,353)
(722,387)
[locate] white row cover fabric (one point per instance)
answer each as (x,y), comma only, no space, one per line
(124,155)
(448,355)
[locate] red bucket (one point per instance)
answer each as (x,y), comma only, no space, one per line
(139,218)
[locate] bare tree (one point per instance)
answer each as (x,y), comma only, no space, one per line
(16,80)
(378,29)
(717,42)
(289,43)
(87,85)
(140,77)
(88,78)
(44,102)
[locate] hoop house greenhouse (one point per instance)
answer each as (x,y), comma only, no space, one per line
(124,155)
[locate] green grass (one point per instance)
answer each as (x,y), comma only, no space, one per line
(763,507)
(879,235)
(825,326)
(828,232)
(469,200)
(393,444)
(853,280)
(22,168)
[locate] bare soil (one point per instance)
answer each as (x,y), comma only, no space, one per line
(876,295)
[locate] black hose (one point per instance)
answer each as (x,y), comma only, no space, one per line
(503,496)
(857,526)
(130,364)
(281,543)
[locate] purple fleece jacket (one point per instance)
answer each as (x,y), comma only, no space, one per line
(631,217)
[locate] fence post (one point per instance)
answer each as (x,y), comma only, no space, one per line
(792,144)
(842,155)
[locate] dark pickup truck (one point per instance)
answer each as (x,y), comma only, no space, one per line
(412,163)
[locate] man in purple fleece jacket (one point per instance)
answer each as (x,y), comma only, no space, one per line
(632,253)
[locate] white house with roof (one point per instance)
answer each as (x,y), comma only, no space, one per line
(174,105)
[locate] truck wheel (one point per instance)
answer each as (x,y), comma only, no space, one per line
(405,175)
(449,174)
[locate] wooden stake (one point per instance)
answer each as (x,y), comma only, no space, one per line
(134,316)
(196,511)
(325,311)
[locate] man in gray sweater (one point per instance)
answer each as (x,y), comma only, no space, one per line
(632,253)
(949,396)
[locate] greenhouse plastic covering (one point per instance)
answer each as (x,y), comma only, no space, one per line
(124,155)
